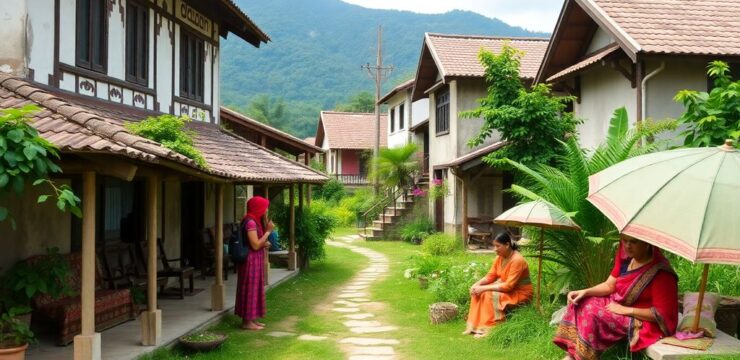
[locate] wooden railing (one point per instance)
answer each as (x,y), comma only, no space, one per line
(351,179)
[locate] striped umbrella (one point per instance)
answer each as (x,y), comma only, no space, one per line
(542,214)
(686,201)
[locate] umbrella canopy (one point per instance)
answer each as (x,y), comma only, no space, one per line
(538,213)
(686,201)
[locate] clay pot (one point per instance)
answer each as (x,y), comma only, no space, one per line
(15,353)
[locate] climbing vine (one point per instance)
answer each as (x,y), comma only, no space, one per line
(27,157)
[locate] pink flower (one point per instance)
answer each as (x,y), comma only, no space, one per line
(437,182)
(417,192)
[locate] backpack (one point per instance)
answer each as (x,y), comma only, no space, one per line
(238,246)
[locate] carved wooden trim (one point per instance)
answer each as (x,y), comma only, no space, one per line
(629,74)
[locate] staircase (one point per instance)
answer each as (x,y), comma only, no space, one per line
(391,219)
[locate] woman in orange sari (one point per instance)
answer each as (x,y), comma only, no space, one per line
(507,284)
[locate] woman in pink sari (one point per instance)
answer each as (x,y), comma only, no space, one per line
(250,290)
(638,302)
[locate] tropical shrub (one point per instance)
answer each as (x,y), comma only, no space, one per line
(711,117)
(441,244)
(531,121)
(586,255)
(332,191)
(169,130)
(722,279)
(426,265)
(416,230)
(27,157)
(395,167)
(312,228)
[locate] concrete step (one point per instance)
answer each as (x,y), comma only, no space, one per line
(370,237)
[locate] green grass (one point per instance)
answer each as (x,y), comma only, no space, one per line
(294,306)
(342,231)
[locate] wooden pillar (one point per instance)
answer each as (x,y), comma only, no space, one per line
(305,158)
(465,185)
(151,319)
(267,253)
(291,246)
(87,344)
(217,289)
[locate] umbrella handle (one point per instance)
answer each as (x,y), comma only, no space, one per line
(702,289)
(539,270)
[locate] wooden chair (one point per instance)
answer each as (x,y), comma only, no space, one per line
(209,252)
(480,231)
(182,272)
(120,268)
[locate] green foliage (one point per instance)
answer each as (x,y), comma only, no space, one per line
(332,191)
(396,166)
(722,279)
(441,244)
(362,102)
(313,61)
(526,327)
(418,228)
(13,332)
(438,189)
(27,157)
(24,281)
(714,116)
(268,110)
(169,130)
(453,284)
(531,121)
(312,228)
(582,254)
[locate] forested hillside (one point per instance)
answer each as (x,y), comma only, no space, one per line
(317,48)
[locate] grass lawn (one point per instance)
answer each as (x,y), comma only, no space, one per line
(294,306)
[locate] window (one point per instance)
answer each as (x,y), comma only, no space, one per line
(137,43)
(393,119)
(92,34)
(192,63)
(442,114)
(400,117)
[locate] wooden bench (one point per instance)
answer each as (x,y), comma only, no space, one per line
(723,345)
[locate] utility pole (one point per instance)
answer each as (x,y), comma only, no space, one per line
(378,73)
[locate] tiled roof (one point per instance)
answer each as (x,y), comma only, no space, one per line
(457,55)
(75,128)
(588,61)
(346,130)
(403,86)
(75,125)
(697,27)
(310,140)
(279,135)
(246,160)
(473,155)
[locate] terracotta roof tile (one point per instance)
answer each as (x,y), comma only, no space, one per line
(703,27)
(346,130)
(586,62)
(457,55)
(473,155)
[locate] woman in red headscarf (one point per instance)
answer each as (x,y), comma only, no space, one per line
(250,290)
(638,302)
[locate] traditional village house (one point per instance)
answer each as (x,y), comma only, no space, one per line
(450,75)
(408,120)
(637,54)
(91,66)
(348,140)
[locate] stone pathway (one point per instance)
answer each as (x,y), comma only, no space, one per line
(352,301)
(353,305)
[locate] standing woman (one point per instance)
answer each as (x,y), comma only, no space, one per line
(250,291)
(507,284)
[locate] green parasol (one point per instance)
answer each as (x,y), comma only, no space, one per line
(542,214)
(686,201)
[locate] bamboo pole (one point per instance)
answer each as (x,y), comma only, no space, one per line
(539,269)
(700,302)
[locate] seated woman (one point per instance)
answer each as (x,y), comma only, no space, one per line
(507,284)
(638,302)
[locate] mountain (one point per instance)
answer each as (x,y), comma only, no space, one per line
(318,46)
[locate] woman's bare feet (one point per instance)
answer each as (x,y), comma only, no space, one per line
(259,324)
(251,325)
(480,334)
(468,332)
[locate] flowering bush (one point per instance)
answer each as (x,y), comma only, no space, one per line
(453,284)
(438,189)
(417,192)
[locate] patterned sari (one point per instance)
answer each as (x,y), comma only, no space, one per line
(250,283)
(588,329)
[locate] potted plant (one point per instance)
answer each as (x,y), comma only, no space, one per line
(25,280)
(203,340)
(14,336)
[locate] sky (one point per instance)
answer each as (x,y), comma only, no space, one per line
(537,15)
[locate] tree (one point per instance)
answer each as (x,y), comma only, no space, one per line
(362,102)
(711,117)
(584,255)
(396,166)
(268,110)
(530,121)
